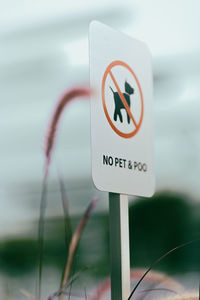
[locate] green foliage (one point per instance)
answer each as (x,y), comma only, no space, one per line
(156,226)
(17,256)
(160,224)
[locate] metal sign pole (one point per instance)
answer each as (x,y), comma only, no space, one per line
(119,246)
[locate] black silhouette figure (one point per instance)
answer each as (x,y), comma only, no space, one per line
(119,104)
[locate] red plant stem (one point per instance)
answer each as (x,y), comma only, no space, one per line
(41,236)
(65,99)
(74,242)
(50,141)
(136,274)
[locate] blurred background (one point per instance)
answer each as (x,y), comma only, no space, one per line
(44,51)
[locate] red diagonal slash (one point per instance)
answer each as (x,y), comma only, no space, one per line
(123,99)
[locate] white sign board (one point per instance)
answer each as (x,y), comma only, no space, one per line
(121,113)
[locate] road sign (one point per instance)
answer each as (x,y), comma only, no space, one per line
(121,113)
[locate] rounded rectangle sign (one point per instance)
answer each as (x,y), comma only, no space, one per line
(121,113)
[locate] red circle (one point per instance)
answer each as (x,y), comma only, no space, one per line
(120,133)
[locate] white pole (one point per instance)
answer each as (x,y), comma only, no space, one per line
(119,246)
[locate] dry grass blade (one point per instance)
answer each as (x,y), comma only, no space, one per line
(70,290)
(85,294)
(68,227)
(153,288)
(50,141)
(74,242)
(156,262)
(156,290)
(63,290)
(27,294)
(41,237)
(153,278)
(170,285)
(66,99)
(187,296)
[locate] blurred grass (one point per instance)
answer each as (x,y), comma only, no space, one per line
(156,225)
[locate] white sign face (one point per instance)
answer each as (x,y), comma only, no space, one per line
(121,113)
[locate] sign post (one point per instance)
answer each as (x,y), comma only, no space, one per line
(119,246)
(121,135)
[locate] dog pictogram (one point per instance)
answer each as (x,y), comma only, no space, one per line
(119,104)
(122,100)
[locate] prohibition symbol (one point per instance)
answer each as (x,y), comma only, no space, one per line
(122,101)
